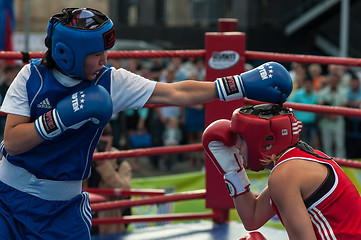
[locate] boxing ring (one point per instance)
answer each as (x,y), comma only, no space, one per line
(224,54)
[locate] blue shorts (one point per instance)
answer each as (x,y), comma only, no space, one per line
(23,216)
(32,208)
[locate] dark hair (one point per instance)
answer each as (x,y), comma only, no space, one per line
(47,61)
(308,149)
(308,78)
(9,68)
(354,76)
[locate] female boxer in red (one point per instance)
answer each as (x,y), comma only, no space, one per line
(308,191)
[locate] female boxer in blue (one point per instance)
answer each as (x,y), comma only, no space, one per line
(57,108)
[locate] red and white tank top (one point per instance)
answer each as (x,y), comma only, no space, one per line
(335,208)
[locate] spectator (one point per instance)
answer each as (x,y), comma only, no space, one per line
(188,65)
(354,92)
(2,68)
(333,126)
(10,72)
(248,67)
(353,125)
(307,95)
(116,63)
(345,76)
(145,71)
(194,125)
(136,131)
(318,79)
(342,71)
(200,70)
(166,113)
(179,73)
(157,68)
(111,173)
(135,120)
(172,136)
(115,121)
(172,111)
(132,65)
(298,74)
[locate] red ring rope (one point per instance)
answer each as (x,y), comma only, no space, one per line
(154,218)
(191,195)
(158,54)
(125,192)
(185,148)
(344,111)
(19,55)
(148,152)
(282,57)
(252,55)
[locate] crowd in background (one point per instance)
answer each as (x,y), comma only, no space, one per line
(166,125)
(331,85)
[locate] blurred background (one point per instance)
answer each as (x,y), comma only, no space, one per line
(322,27)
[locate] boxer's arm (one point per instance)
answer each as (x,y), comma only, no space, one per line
(218,142)
(269,82)
(20,134)
(285,186)
(183,93)
(254,211)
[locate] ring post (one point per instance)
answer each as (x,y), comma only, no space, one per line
(225,56)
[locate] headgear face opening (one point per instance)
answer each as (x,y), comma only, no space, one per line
(267,129)
(76,33)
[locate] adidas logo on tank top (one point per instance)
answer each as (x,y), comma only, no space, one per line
(44,104)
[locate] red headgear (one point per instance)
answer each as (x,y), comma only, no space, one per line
(267,129)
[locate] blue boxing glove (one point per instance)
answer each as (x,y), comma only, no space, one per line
(270,82)
(93,104)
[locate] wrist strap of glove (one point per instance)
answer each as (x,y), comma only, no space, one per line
(230,88)
(237,182)
(49,125)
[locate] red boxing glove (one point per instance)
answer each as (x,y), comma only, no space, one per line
(253,236)
(218,142)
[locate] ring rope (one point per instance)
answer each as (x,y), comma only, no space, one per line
(348,163)
(283,57)
(158,54)
(186,148)
(154,218)
(125,192)
(200,53)
(148,151)
(118,54)
(173,197)
(344,111)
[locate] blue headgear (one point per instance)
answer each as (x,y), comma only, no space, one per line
(76,33)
